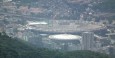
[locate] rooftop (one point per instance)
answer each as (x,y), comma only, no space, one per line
(65,37)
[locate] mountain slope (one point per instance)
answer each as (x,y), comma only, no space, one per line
(12,48)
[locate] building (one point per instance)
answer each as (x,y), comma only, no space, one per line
(111,50)
(66,42)
(87,40)
(112,37)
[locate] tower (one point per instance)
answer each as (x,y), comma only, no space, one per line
(87,40)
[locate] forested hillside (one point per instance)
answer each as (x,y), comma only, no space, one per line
(13,48)
(106,6)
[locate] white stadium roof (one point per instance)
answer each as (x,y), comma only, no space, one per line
(37,23)
(65,37)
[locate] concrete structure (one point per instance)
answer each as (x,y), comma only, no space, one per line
(111,36)
(111,50)
(87,41)
(64,26)
(65,40)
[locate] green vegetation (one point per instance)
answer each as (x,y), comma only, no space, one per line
(107,6)
(13,48)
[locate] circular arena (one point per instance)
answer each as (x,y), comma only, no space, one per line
(65,37)
(64,26)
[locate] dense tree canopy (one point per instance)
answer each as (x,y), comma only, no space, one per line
(106,6)
(13,48)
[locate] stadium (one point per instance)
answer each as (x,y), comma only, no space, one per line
(64,26)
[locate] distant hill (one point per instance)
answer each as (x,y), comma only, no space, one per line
(70,9)
(13,48)
(106,6)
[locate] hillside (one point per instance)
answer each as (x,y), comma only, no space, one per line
(12,48)
(106,6)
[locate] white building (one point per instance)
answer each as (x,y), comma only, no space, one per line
(87,41)
(66,42)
